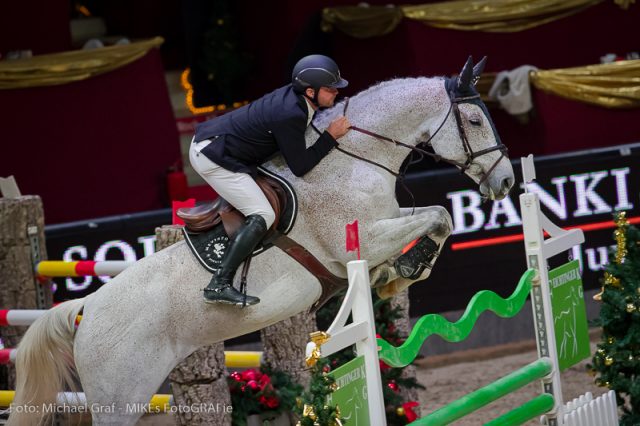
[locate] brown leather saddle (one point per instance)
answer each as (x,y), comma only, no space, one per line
(204,217)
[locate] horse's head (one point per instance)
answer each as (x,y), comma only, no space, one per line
(447,114)
(468,138)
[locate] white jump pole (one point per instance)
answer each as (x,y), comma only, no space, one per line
(360,332)
(538,250)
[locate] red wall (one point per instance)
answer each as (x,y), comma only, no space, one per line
(93,148)
(415,49)
(102,146)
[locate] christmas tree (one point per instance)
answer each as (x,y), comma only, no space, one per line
(617,360)
(312,407)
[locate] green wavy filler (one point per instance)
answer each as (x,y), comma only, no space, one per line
(484,300)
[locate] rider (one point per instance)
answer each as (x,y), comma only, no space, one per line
(226,151)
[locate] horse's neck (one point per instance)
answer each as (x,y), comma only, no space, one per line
(405,110)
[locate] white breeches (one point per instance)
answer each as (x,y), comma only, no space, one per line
(239,189)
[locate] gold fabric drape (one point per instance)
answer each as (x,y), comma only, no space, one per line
(614,85)
(468,15)
(67,67)
(362,22)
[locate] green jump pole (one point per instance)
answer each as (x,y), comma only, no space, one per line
(486,395)
(538,406)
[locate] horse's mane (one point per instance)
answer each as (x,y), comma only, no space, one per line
(374,93)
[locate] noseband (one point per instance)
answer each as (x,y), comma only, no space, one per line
(470,154)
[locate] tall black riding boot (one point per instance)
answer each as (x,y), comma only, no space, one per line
(220,289)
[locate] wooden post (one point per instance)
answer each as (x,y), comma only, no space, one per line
(202,377)
(21,244)
(284,345)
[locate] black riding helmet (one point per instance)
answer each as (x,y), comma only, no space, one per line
(316,71)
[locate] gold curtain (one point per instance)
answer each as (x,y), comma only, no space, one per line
(361,22)
(614,85)
(468,15)
(67,67)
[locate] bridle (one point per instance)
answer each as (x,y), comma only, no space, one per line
(470,154)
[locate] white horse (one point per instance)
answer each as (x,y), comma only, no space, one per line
(138,327)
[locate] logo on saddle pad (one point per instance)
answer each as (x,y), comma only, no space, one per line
(218,250)
(209,247)
(215,249)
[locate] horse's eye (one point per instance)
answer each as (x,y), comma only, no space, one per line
(475,121)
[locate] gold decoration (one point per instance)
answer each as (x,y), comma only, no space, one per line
(334,387)
(308,411)
(361,22)
(313,358)
(621,252)
(608,361)
(631,308)
(319,338)
(611,340)
(598,297)
(469,15)
(337,420)
(611,280)
(621,239)
(613,85)
(601,352)
(400,411)
(630,358)
(68,67)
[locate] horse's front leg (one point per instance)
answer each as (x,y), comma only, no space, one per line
(390,236)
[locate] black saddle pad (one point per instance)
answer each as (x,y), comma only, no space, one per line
(210,246)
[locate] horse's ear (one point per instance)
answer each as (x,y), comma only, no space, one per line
(464,79)
(477,70)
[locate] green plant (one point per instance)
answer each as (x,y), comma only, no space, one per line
(259,391)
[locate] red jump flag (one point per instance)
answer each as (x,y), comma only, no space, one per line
(353,241)
(191,202)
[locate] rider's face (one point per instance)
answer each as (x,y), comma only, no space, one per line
(326,96)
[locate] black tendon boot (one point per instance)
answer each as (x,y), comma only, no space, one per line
(411,264)
(220,289)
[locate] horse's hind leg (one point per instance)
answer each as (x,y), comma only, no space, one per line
(117,382)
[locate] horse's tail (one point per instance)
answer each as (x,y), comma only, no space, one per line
(44,364)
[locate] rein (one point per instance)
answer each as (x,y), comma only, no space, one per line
(470,154)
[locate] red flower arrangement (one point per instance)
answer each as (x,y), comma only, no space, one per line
(255,392)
